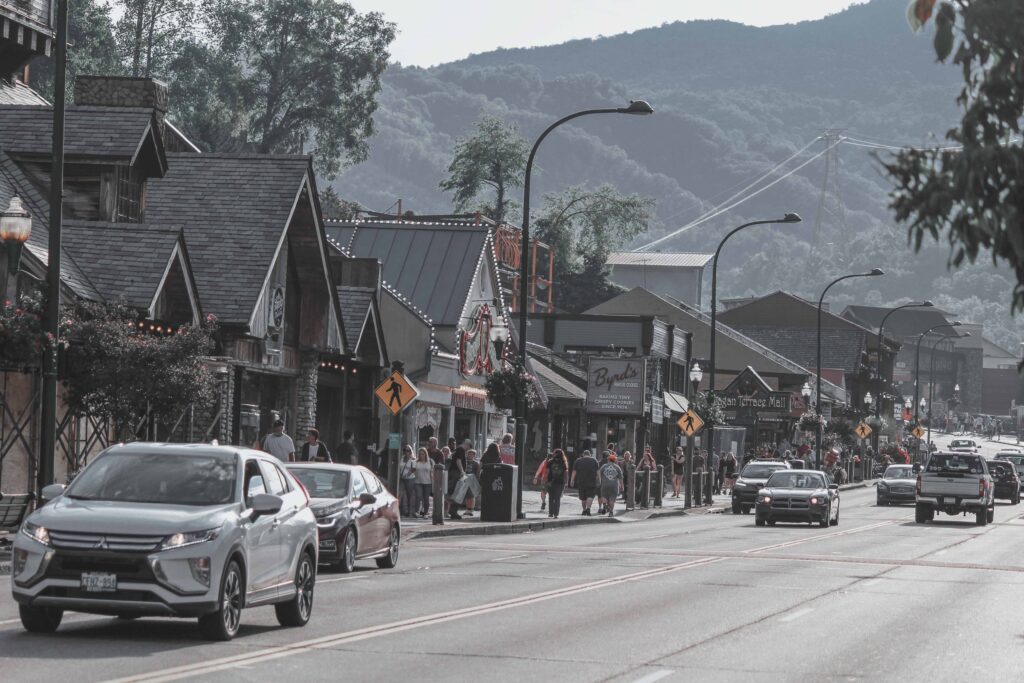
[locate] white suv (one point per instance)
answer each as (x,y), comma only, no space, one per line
(169,530)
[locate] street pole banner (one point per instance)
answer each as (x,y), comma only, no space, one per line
(616,386)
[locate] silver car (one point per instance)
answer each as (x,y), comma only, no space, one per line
(169,530)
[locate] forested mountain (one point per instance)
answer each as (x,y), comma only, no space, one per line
(731,102)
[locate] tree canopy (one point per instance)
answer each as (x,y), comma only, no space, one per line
(972,191)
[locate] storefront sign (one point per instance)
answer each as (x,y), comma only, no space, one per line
(468,400)
(657,410)
(615,386)
(772,402)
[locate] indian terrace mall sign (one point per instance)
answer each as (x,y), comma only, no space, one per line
(615,386)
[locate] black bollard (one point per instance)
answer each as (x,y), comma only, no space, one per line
(440,488)
(659,487)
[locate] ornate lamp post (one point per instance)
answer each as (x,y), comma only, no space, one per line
(15,228)
(696,375)
(637,107)
(806,392)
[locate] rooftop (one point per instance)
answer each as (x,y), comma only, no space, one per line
(657,259)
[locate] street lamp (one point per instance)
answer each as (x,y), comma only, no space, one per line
(878,362)
(636,107)
(787,218)
(821,301)
(499,335)
(15,228)
(917,360)
(931,378)
(696,375)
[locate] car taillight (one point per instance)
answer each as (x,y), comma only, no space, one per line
(919,484)
(981,487)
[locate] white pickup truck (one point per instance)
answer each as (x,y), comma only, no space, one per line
(954,483)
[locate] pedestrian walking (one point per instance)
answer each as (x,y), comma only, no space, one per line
(712,465)
(584,478)
(727,471)
(610,481)
(539,476)
(433,452)
(345,453)
(678,471)
(625,464)
(314,450)
(507,449)
(456,470)
(407,482)
(492,456)
(424,470)
(279,444)
(471,482)
(556,469)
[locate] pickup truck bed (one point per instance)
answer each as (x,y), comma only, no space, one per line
(954,483)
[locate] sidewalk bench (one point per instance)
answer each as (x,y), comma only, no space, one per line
(13,507)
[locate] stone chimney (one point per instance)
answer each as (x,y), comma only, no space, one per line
(123,91)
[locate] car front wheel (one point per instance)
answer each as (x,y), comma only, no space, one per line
(347,562)
(296,612)
(40,619)
(223,624)
(827,519)
(390,560)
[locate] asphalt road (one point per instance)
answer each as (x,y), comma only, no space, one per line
(707,598)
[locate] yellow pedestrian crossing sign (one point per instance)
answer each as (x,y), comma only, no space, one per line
(863,431)
(396,392)
(917,432)
(690,423)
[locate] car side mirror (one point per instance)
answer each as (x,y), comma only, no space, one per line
(367,499)
(50,492)
(833,487)
(265,504)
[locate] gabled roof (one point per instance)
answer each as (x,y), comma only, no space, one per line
(121,133)
(127,260)
(16,92)
(556,386)
(234,209)
(430,263)
(657,259)
(906,323)
(840,348)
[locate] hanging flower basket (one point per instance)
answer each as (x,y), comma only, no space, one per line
(809,422)
(509,385)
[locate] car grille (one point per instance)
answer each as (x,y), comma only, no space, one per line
(74,540)
(902,489)
(790,503)
(73,565)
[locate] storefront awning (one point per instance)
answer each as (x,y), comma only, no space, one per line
(677,403)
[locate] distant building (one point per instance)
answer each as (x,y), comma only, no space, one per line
(676,275)
(26,31)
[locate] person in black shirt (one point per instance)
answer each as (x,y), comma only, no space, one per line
(345,453)
(584,478)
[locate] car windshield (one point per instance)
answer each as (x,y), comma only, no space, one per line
(796,480)
(168,478)
(900,473)
(954,462)
(1000,468)
(760,471)
(961,443)
(322,483)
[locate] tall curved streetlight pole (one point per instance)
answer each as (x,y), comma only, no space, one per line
(637,107)
(788,218)
(875,272)
(931,377)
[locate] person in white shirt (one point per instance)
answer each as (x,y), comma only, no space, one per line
(279,444)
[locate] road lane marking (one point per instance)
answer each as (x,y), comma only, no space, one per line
(651,538)
(303,647)
(655,676)
(510,557)
(793,616)
(818,537)
(342,578)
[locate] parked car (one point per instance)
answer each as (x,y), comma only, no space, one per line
(752,477)
(356,517)
(897,485)
(152,529)
(955,483)
(1005,481)
(1013,456)
(798,496)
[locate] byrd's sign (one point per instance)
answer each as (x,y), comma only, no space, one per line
(615,386)
(771,402)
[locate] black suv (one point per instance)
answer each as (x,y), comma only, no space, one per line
(1006,483)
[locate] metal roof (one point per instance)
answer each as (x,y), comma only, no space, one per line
(431,263)
(658,259)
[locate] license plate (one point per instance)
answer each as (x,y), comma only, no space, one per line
(328,545)
(93,582)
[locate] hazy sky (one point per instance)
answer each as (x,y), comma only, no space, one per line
(437,31)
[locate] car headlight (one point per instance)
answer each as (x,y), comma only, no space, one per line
(37,533)
(766,499)
(329,511)
(815,500)
(182,539)
(882,485)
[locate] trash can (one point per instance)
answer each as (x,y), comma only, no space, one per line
(498,492)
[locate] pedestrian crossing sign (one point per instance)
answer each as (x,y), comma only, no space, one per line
(690,423)
(917,432)
(863,431)
(396,392)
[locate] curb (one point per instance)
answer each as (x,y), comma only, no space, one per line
(508,527)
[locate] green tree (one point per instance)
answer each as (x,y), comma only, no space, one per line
(308,74)
(583,227)
(91,48)
(149,32)
(204,89)
(973,191)
(486,165)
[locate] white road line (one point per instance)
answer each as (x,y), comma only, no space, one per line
(342,578)
(818,537)
(655,676)
(510,557)
(651,538)
(793,616)
(302,647)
